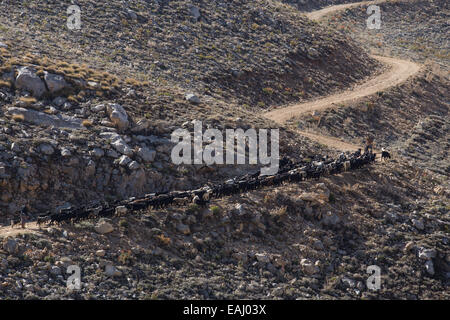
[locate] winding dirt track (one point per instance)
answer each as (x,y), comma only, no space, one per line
(398,72)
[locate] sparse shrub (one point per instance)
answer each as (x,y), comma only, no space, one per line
(281,211)
(28,100)
(18,117)
(87,123)
(331,198)
(125,257)
(164,240)
(5,84)
(215,210)
(123,223)
(268,91)
(193,209)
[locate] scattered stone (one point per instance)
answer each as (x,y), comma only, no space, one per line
(120,210)
(97,153)
(184,229)
(409,246)
(427,254)
(10,245)
(146,154)
(121,146)
(192,98)
(195,12)
(100,253)
(418,224)
(98,108)
(112,271)
(134,165)
(59,101)
(124,160)
(118,116)
(104,227)
(308,267)
(46,149)
(54,82)
(349,283)
(429,267)
(262,257)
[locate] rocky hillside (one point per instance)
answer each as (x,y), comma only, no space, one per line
(251,52)
(310,5)
(281,243)
(86,116)
(415,29)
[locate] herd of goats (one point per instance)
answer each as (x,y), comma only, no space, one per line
(288,172)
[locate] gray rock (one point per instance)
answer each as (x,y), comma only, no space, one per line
(121,146)
(262,257)
(429,267)
(112,271)
(59,101)
(10,245)
(43,119)
(47,149)
(15,147)
(141,125)
(134,165)
(132,15)
(29,81)
(308,267)
(418,224)
(121,210)
(118,116)
(98,108)
(427,254)
(65,152)
(112,154)
(97,153)
(124,160)
(104,227)
(55,82)
(184,229)
(55,270)
(146,154)
(195,12)
(192,98)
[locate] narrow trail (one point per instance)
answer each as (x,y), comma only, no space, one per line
(398,72)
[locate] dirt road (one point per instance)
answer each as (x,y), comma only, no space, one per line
(398,72)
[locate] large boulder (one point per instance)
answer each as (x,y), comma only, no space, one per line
(146,154)
(121,146)
(28,80)
(118,116)
(55,82)
(10,245)
(104,227)
(43,119)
